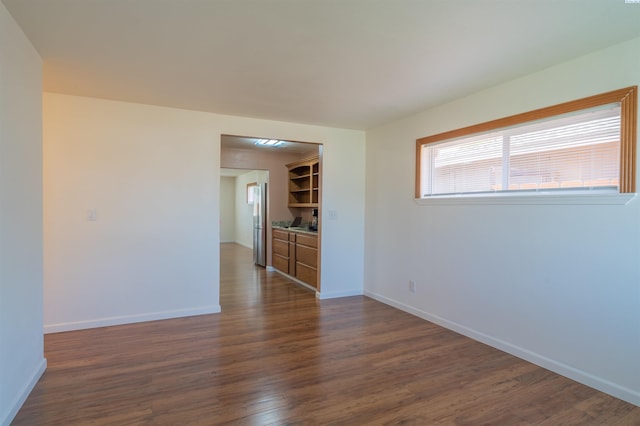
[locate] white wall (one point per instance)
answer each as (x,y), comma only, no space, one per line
(152,174)
(227,209)
(244,211)
(235,213)
(558,285)
(21,343)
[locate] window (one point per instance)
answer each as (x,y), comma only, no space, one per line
(583,145)
(251,191)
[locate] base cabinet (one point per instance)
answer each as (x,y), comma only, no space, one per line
(307,274)
(280,248)
(296,254)
(281,263)
(307,259)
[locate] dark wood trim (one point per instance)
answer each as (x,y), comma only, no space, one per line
(418,169)
(627,98)
(628,141)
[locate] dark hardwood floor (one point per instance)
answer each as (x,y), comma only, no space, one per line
(276,355)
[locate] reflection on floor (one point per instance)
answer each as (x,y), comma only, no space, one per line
(243,285)
(276,355)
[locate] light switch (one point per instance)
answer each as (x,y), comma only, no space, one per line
(333,215)
(91,214)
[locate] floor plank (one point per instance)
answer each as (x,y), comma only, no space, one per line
(276,355)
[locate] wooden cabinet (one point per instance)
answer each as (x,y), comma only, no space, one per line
(292,252)
(304,183)
(296,254)
(280,247)
(307,259)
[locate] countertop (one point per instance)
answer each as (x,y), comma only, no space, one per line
(300,229)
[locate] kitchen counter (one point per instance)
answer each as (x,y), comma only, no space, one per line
(295,253)
(300,229)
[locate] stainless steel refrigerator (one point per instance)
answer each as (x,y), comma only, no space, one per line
(260,224)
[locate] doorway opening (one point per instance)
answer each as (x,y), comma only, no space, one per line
(249,162)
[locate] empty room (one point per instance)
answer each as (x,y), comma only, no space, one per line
(319,212)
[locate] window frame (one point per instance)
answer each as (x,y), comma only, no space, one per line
(626,97)
(250,187)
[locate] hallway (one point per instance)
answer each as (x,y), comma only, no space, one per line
(245,286)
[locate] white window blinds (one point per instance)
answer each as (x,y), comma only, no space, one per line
(576,151)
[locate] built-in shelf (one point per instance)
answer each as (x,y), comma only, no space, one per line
(304,183)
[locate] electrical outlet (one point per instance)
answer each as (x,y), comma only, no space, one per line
(412,286)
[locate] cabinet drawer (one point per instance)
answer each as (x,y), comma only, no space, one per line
(281,247)
(281,263)
(307,255)
(307,274)
(307,240)
(279,234)
(292,258)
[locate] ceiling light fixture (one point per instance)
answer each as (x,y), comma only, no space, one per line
(269,142)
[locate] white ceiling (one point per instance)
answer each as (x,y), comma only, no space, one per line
(341,63)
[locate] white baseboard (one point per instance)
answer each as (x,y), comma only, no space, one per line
(294,279)
(129,319)
(337,294)
(319,295)
(24,393)
(624,393)
(249,246)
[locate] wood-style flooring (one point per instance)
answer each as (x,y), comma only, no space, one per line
(277,356)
